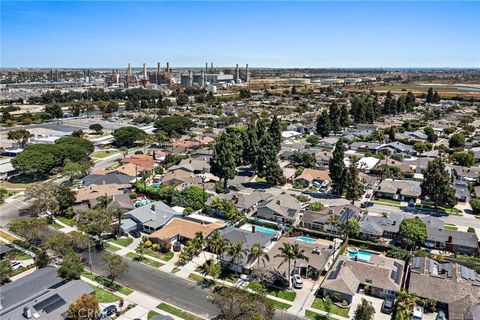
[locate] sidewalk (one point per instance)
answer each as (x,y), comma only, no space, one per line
(144,303)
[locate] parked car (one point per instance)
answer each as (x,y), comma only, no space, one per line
(297,282)
(107,312)
(440,315)
(387,306)
(417,313)
(366,204)
(16,265)
(135,234)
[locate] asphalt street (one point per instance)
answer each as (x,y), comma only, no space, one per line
(169,288)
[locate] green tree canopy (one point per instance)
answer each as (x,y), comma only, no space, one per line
(413,231)
(127,136)
(20,136)
(174,124)
(436,184)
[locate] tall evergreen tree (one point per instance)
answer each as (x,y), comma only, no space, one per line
(344,116)
(429,98)
(323,124)
(353,186)
(267,165)
(401,104)
(223,162)
(436,184)
(276,133)
(334,113)
(250,144)
(436,97)
(337,168)
(410,101)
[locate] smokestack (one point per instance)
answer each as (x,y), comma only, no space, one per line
(129,70)
(168,67)
(247,74)
(158,67)
(145,71)
(158,73)
(237,73)
(206,67)
(211,66)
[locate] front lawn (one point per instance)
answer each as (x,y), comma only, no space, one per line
(152,314)
(387,201)
(106,283)
(68,221)
(320,304)
(146,260)
(450,226)
(103,154)
(163,256)
(112,247)
(56,225)
(123,241)
(278,304)
(282,294)
(177,312)
(317,316)
(19,255)
(103,296)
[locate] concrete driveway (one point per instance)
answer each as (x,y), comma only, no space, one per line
(376,303)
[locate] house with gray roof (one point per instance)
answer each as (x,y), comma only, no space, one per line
(401,190)
(248,238)
(373,227)
(284,209)
(320,220)
(113,177)
(398,147)
(151,217)
(40,295)
(383,276)
(455,287)
(452,240)
(461,191)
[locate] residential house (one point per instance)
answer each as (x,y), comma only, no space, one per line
(374,227)
(383,276)
(183,229)
(318,178)
(7,170)
(320,256)
(93,191)
(195,166)
(365,146)
(322,220)
(401,190)
(4,251)
(398,147)
(283,208)
(248,238)
(462,193)
(465,173)
(108,177)
(181,179)
(441,238)
(151,217)
(368,181)
(146,162)
(455,287)
(40,295)
(365,163)
(244,202)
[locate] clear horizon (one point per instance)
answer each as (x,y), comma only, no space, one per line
(323,35)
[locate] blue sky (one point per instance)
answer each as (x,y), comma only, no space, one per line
(263,34)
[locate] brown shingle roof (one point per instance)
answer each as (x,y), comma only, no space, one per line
(186,229)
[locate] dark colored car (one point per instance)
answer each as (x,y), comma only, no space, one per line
(366,204)
(387,306)
(107,312)
(135,234)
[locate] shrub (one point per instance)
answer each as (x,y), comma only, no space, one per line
(148,244)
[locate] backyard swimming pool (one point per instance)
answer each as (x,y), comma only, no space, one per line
(248,226)
(307,239)
(362,255)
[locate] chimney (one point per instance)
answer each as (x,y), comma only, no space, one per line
(211,66)
(27,313)
(247,74)
(145,71)
(152,207)
(129,70)
(206,67)
(253,228)
(237,73)
(168,67)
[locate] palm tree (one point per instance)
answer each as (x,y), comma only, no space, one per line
(119,215)
(287,254)
(333,221)
(211,268)
(257,253)
(236,251)
(405,304)
(298,253)
(217,244)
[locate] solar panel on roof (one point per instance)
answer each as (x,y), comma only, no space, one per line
(50,304)
(468,273)
(397,275)
(417,262)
